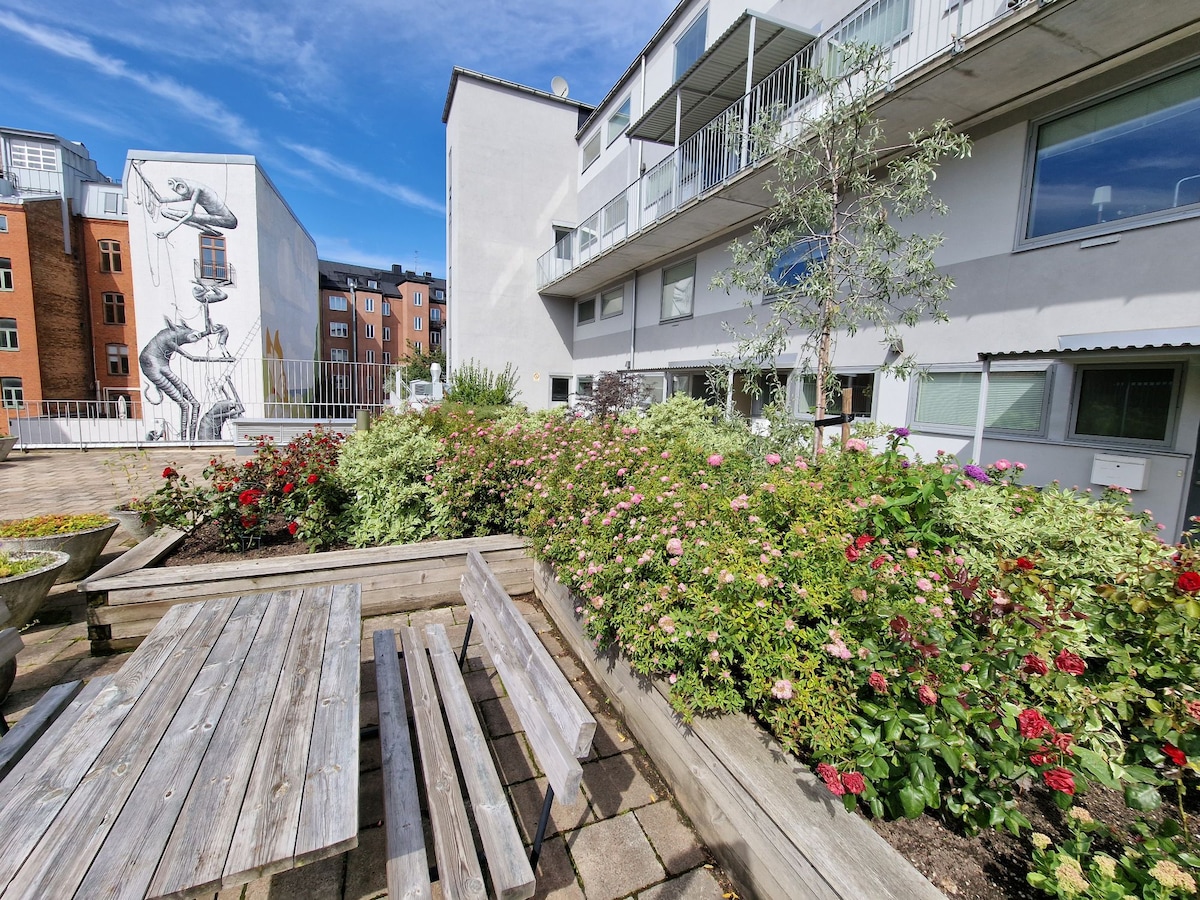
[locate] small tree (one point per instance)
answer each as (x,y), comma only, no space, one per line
(829,252)
(613,393)
(419,362)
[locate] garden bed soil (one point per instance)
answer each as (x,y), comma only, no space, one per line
(991,865)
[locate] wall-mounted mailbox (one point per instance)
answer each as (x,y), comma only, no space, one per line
(1123,471)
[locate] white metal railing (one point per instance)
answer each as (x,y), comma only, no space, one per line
(221,392)
(910,33)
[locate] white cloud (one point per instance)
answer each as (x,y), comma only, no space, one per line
(355,175)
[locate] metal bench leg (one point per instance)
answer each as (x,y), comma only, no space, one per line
(541,829)
(3,726)
(462,656)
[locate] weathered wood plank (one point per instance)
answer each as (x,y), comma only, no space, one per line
(20,740)
(130,854)
(199,844)
(407,862)
(576,723)
(61,725)
(512,877)
(56,865)
(145,553)
(265,837)
(458,867)
(329,809)
(10,644)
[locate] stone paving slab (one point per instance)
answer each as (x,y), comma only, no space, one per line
(697,884)
(614,859)
(674,842)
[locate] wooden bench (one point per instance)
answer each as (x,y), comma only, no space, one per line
(54,713)
(557,724)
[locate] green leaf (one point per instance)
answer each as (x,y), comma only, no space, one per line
(912,799)
(1142,797)
(952,756)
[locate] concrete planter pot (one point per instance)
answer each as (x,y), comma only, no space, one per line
(81,546)
(7,442)
(21,595)
(135,524)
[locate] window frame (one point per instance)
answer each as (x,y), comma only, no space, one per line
(368,330)
(368,304)
(214,259)
(19,148)
(435,315)
(435,338)
(3,223)
(619,290)
(580,305)
(6,274)
(370,356)
(113,303)
(339,355)
(589,154)
(416,323)
(387,333)
(417,301)
(701,16)
(663,292)
(1179,368)
(923,427)
(110,253)
(387,358)
(339,329)
(8,334)
(621,112)
(336,306)
(565,395)
(582,392)
(387,308)
(12,392)
(793,400)
(118,358)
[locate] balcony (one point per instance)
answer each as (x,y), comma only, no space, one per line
(960,59)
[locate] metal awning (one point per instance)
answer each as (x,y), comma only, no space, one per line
(1187,338)
(718,77)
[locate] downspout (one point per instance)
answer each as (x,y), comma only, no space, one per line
(981,413)
(633,321)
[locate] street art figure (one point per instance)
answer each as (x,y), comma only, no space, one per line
(228,407)
(194,204)
(155,361)
(206,294)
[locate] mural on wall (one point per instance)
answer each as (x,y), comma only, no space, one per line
(187,202)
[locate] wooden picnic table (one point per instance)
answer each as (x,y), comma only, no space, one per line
(225,749)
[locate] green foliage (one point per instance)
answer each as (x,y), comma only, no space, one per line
(474,384)
(691,422)
(14,564)
(45,526)
(384,470)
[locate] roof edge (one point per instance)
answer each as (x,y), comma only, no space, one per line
(460,72)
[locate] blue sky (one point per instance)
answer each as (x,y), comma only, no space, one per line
(340,101)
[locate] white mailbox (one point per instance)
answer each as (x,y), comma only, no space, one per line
(1123,471)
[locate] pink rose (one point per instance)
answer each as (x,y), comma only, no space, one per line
(772,459)
(715,460)
(782,690)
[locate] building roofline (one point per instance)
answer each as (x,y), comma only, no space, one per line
(507,85)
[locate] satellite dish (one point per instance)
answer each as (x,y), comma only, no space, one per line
(559,86)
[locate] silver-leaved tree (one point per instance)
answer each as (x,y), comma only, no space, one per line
(831,255)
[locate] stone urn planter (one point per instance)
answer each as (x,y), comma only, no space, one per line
(7,442)
(137,524)
(21,595)
(82,545)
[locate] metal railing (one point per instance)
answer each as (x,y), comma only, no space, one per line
(221,391)
(910,33)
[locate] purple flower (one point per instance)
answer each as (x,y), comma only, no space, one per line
(901,432)
(977,474)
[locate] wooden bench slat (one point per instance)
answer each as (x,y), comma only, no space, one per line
(458,866)
(34,724)
(407,862)
(577,724)
(556,758)
(10,644)
(59,727)
(512,876)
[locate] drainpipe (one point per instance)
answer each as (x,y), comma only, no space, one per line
(354,339)
(633,321)
(981,413)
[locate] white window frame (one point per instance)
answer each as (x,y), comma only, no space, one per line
(6,274)
(338,303)
(118,358)
(387,308)
(339,330)
(369,330)
(1168,439)
(33,155)
(8,334)
(387,333)
(12,393)
(662,305)
(793,391)
(417,298)
(585,385)
(416,323)
(998,369)
(112,203)
(3,223)
(614,296)
(370,356)
(417,346)
(617,123)
(435,315)
(368,304)
(387,358)
(372,284)
(339,354)
(589,152)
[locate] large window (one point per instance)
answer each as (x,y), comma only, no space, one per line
(212,258)
(859,386)
(6,279)
(33,155)
(1134,155)
(1126,403)
(618,122)
(881,24)
(591,151)
(339,329)
(8,334)
(794,263)
(110,256)
(337,303)
(12,393)
(118,359)
(612,302)
(679,285)
(949,402)
(114,309)
(690,46)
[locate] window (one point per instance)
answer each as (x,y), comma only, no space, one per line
(435,315)
(339,354)
(416,298)
(110,256)
(387,358)
(439,294)
(6,279)
(584,385)
(12,393)
(591,151)
(112,203)
(585,311)
(212,258)
(372,284)
(370,356)
(560,389)
(369,304)
(435,338)
(618,122)
(337,303)
(369,330)
(690,46)
(793,265)
(3,224)
(387,333)
(860,386)
(417,346)
(679,283)
(114,309)
(339,330)
(612,302)
(387,308)
(33,155)
(8,334)
(416,323)
(118,359)
(1126,403)
(1134,155)
(949,401)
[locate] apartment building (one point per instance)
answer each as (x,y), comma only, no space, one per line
(594,232)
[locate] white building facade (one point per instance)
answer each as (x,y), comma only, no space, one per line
(1076,312)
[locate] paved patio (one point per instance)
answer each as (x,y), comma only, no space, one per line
(623,838)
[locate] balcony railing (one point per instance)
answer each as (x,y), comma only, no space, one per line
(726,145)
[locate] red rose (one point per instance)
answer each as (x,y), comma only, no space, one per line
(249,521)
(221,488)
(861,541)
(853,782)
(1177,756)
(1188,582)
(1059,780)
(168,472)
(1034,665)
(1068,662)
(878,682)
(829,775)
(852,554)
(878,561)
(293,527)
(1032,724)
(249,497)
(1041,757)
(312,479)
(288,488)
(1023,562)
(927,695)
(1063,742)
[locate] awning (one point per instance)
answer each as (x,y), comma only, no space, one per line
(1187,338)
(718,77)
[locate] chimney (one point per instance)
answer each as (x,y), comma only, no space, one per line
(397,269)
(428,274)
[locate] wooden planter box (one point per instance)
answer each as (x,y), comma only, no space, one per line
(127,598)
(768,820)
